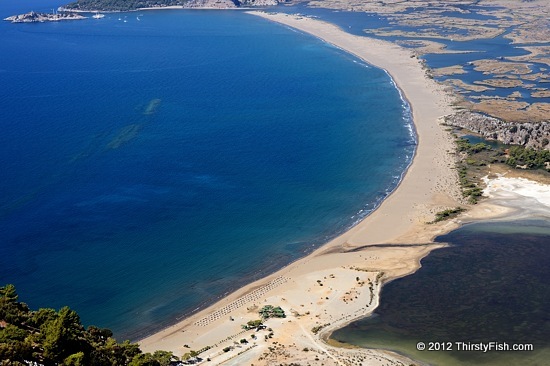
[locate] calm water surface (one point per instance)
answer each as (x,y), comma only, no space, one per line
(360,23)
(490,285)
(150,166)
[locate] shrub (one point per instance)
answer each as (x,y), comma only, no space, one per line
(447,214)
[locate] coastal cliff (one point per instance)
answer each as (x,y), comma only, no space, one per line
(127,5)
(529,134)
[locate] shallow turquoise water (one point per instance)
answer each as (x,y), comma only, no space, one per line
(152,165)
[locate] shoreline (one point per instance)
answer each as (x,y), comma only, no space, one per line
(428,185)
(329,288)
(173,7)
(406,73)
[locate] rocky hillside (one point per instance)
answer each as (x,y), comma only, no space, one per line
(534,135)
(127,5)
(118,5)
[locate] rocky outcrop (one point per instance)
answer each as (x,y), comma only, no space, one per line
(225,4)
(34,17)
(229,3)
(247,3)
(534,135)
(210,4)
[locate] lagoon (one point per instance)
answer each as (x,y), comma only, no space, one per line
(489,285)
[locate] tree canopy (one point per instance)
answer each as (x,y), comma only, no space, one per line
(52,337)
(531,158)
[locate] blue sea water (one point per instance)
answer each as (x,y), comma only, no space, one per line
(150,166)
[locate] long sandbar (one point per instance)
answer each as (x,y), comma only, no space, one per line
(351,267)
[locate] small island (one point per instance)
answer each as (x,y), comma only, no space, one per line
(34,17)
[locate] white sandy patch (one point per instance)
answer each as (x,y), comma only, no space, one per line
(503,187)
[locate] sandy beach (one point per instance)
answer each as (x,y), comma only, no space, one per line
(341,281)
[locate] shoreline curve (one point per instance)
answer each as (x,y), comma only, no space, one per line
(428,185)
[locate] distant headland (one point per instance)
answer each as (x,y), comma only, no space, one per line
(71,10)
(117,5)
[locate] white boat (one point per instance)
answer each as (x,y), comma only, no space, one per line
(98,16)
